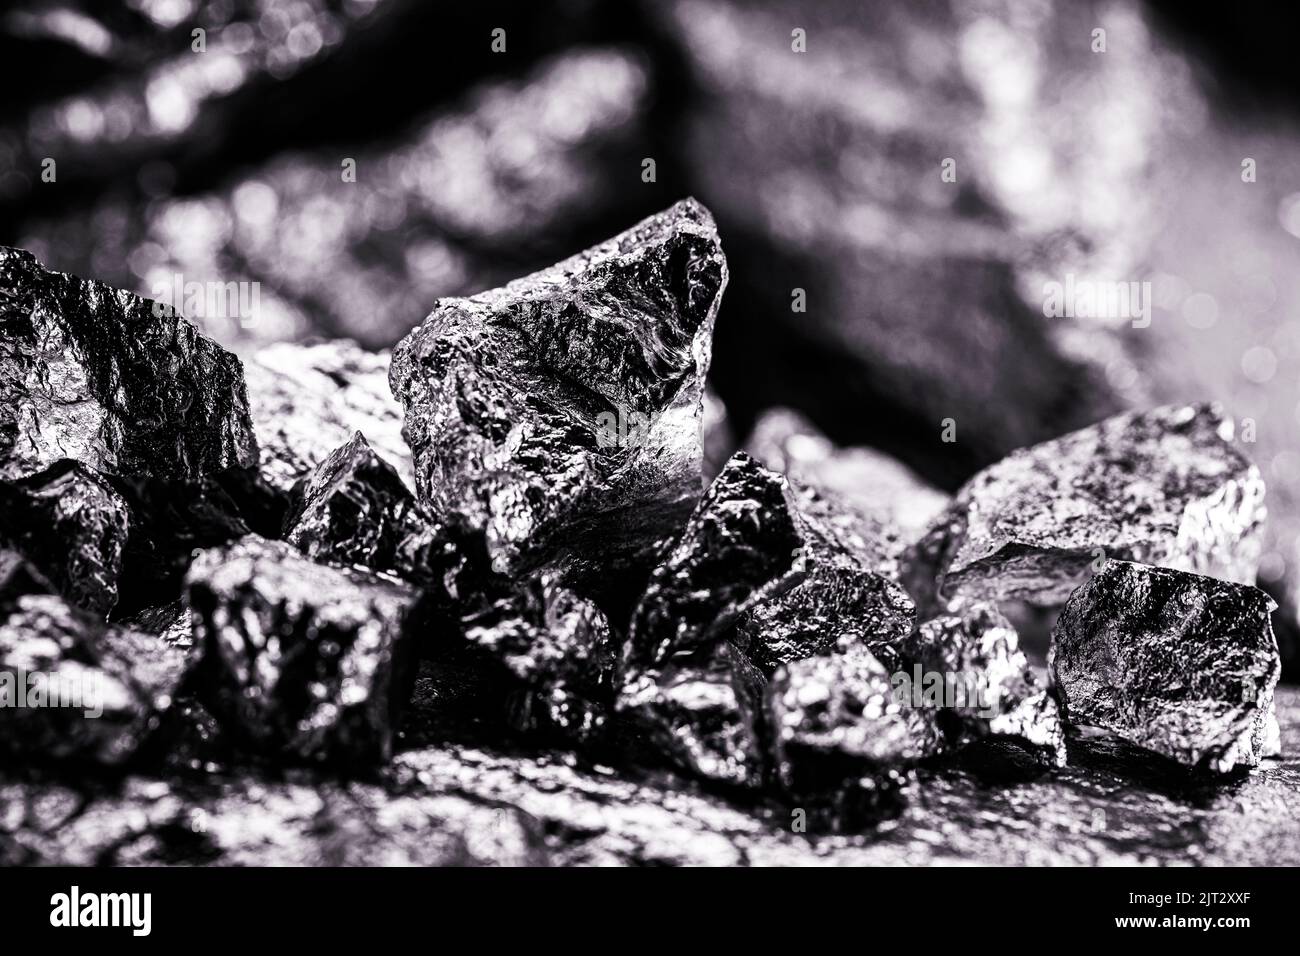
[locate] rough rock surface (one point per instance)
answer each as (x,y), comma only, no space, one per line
(780,569)
(71,524)
(355,509)
(119,383)
(302,660)
(1164,487)
(840,733)
(560,414)
(976,652)
(553,654)
(1176,663)
(307,400)
(73,688)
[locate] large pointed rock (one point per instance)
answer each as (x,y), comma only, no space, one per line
(560,414)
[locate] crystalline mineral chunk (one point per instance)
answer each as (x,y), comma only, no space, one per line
(973,660)
(71,524)
(355,509)
(118,383)
(1176,663)
(1163,487)
(300,659)
(560,414)
(74,688)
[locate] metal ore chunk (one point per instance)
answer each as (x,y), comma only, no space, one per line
(307,400)
(560,414)
(702,712)
(556,654)
(876,484)
(355,509)
(1176,663)
(118,383)
(780,569)
(71,524)
(984,679)
(1163,487)
(73,688)
(839,733)
(171,622)
(306,661)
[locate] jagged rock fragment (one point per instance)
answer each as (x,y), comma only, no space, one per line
(307,400)
(840,732)
(302,660)
(355,509)
(874,483)
(170,622)
(118,383)
(702,712)
(780,569)
(1176,663)
(554,654)
(1163,487)
(71,524)
(73,688)
(560,414)
(970,664)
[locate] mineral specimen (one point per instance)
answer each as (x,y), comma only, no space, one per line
(171,622)
(75,689)
(560,414)
(72,525)
(702,712)
(552,655)
(1162,487)
(1173,662)
(781,570)
(302,660)
(972,663)
(839,731)
(118,383)
(307,400)
(354,509)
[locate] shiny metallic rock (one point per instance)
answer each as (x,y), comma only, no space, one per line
(307,400)
(1164,487)
(972,662)
(1176,663)
(560,414)
(73,688)
(118,383)
(355,509)
(301,660)
(71,524)
(780,569)
(552,653)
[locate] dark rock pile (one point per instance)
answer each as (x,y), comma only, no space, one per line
(244,572)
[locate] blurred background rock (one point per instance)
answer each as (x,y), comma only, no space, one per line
(922,299)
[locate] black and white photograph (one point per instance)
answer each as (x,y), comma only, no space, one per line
(649,433)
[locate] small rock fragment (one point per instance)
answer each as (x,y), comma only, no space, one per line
(307,400)
(703,713)
(171,622)
(556,656)
(355,509)
(123,385)
(1163,487)
(1177,663)
(71,524)
(839,733)
(73,688)
(970,664)
(560,414)
(300,659)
